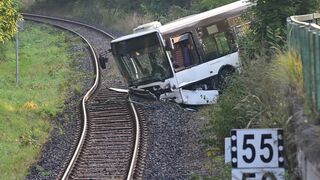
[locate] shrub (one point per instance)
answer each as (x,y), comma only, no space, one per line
(9,17)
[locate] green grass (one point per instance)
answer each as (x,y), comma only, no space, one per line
(26,110)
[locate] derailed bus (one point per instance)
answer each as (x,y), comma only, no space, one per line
(187,60)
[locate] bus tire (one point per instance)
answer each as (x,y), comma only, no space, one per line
(224,77)
(213,82)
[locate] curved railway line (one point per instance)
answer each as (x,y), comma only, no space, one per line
(111,142)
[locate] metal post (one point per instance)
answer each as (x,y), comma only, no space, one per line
(20,27)
(17,58)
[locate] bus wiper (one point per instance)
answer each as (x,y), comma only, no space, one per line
(119,90)
(138,92)
(142,93)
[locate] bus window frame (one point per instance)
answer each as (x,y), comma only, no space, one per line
(160,40)
(200,45)
(195,48)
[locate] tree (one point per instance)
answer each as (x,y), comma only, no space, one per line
(269,24)
(8,19)
(273,13)
(204,5)
(308,6)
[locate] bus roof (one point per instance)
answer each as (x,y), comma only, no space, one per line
(227,11)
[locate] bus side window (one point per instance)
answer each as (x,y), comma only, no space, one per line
(231,38)
(216,44)
(184,54)
(177,56)
(223,45)
(209,45)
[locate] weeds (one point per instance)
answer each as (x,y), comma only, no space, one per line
(42,171)
(28,139)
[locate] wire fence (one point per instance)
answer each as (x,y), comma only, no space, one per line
(304,39)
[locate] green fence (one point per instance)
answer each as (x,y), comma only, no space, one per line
(304,39)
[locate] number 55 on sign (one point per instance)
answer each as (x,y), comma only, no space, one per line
(257,148)
(256,151)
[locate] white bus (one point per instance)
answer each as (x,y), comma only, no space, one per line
(186,60)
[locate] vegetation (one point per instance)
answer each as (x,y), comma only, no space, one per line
(8,19)
(124,15)
(269,23)
(260,97)
(26,110)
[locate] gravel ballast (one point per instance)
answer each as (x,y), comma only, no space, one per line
(174,151)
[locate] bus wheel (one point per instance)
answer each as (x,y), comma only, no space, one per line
(224,77)
(213,82)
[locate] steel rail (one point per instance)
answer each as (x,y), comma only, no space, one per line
(137,142)
(88,95)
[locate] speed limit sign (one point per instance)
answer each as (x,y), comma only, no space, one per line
(257,148)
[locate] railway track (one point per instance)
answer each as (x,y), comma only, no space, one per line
(111,144)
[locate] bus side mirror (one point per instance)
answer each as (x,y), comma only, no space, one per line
(169,44)
(103,59)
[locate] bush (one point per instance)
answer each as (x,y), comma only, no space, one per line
(9,17)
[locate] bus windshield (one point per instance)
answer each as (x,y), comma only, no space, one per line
(142,59)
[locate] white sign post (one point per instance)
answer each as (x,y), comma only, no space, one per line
(257,154)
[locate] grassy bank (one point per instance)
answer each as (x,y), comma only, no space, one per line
(262,96)
(26,110)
